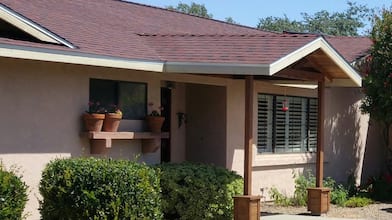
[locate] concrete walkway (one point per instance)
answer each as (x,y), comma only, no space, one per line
(300,217)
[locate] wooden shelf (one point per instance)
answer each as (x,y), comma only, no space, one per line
(101,141)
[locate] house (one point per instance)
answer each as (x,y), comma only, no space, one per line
(56,56)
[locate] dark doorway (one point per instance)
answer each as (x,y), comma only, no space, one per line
(166,112)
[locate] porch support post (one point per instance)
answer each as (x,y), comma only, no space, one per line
(319,197)
(247,207)
(320,134)
(248,135)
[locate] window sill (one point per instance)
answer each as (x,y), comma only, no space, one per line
(264,160)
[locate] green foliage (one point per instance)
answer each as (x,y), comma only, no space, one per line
(380,188)
(339,193)
(13,195)
(377,81)
(278,24)
(345,23)
(93,188)
(279,198)
(354,202)
(302,182)
(193,9)
(198,191)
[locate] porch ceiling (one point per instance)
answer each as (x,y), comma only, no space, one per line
(315,67)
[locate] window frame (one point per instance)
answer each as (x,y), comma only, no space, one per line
(310,133)
(117,96)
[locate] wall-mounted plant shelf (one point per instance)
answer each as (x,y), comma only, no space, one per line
(100,142)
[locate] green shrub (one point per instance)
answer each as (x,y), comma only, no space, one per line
(197,191)
(93,188)
(13,195)
(279,198)
(358,202)
(302,182)
(380,188)
(339,193)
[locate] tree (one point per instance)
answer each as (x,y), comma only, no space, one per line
(230,20)
(193,9)
(345,23)
(280,24)
(377,81)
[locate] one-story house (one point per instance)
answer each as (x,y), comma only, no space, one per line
(56,56)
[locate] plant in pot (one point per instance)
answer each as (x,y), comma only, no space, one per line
(112,120)
(94,116)
(154,119)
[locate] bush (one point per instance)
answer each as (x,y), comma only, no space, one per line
(380,188)
(13,195)
(358,202)
(197,191)
(99,189)
(279,198)
(339,194)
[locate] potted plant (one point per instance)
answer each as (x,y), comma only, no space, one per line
(94,116)
(154,119)
(112,120)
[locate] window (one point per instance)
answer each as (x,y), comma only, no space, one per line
(294,130)
(131,97)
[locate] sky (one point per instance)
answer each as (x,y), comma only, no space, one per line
(248,12)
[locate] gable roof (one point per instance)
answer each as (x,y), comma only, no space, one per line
(128,35)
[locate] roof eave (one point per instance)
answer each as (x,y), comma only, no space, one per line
(74,57)
(31,27)
(353,80)
(216,68)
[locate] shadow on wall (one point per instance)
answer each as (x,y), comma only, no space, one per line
(347,135)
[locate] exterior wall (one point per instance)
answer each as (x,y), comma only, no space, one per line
(277,170)
(41,119)
(349,136)
(46,101)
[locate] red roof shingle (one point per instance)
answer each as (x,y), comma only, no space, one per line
(135,31)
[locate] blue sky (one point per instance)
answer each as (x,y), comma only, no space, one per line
(248,12)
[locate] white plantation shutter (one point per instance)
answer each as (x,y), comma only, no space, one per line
(281,131)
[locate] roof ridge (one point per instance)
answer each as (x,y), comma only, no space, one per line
(183,13)
(222,35)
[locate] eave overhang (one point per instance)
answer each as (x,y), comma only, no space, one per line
(31,28)
(75,57)
(351,77)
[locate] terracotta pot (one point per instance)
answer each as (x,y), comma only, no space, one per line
(111,122)
(155,123)
(93,122)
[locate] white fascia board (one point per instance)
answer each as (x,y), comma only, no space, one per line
(342,63)
(31,28)
(216,68)
(72,57)
(312,46)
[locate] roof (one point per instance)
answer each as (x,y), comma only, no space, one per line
(129,35)
(351,48)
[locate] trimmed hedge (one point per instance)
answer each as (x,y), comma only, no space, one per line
(91,188)
(13,195)
(198,191)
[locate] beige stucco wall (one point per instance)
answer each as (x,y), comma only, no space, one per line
(41,119)
(43,102)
